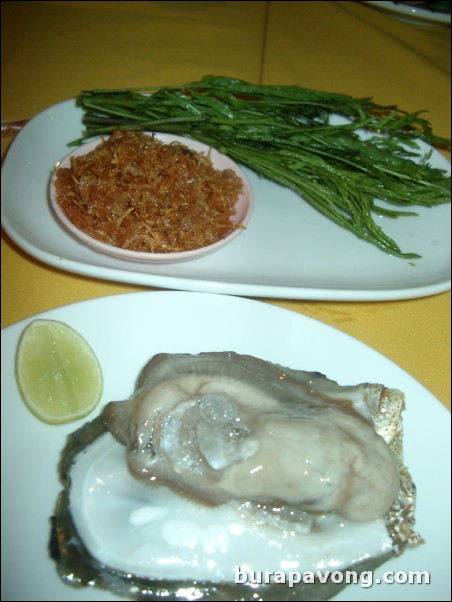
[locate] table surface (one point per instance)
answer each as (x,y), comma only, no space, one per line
(53,50)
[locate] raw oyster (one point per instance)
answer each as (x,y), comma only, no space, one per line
(233,462)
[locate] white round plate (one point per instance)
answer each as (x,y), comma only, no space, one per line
(136,326)
(244,206)
(288,250)
(411,13)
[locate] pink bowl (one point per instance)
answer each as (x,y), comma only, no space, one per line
(244,207)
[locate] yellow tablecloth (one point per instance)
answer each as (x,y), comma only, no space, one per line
(53,50)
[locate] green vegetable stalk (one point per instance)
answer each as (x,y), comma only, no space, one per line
(366,162)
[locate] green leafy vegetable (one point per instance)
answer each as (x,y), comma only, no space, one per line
(366,161)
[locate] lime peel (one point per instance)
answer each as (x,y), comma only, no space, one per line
(57,372)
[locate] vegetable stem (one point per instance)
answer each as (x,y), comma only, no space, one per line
(340,166)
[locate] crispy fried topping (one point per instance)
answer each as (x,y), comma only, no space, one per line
(137,193)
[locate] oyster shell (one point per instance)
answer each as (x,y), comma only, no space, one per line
(233,461)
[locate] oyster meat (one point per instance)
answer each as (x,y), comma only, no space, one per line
(222,460)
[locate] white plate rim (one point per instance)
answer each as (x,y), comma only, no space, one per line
(232,284)
(410,12)
(425,417)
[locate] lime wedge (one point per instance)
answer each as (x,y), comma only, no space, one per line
(58,374)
